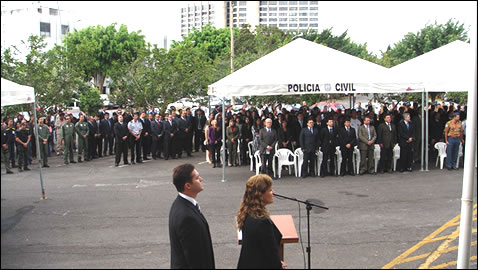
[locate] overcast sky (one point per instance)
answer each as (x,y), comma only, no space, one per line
(378,23)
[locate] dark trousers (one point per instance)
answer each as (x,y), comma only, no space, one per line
(146,143)
(135,144)
(99,145)
(385,163)
(189,143)
(406,156)
(22,154)
(329,154)
(121,148)
(309,161)
(267,159)
(347,160)
(91,147)
(183,144)
(244,156)
(168,147)
(215,153)
(199,140)
(11,153)
(157,147)
(108,143)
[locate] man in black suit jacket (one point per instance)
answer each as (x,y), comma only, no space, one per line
(190,239)
(347,142)
(121,132)
(198,123)
(170,130)
(386,138)
(310,143)
(267,139)
(107,133)
(145,135)
(328,138)
(406,138)
(157,136)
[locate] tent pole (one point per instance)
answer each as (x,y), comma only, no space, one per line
(464,242)
(427,122)
(43,197)
(423,133)
(223,141)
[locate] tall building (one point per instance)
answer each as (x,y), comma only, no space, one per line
(286,15)
(21,19)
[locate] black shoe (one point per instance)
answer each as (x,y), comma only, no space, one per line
(166,159)
(14,166)
(26,169)
(189,155)
(132,162)
(352,174)
(304,176)
(145,158)
(100,156)
(116,164)
(79,161)
(46,166)
(127,163)
(214,165)
(139,161)
(20,169)
(72,161)
(9,172)
(87,159)
(155,158)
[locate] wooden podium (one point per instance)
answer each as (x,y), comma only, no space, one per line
(286,226)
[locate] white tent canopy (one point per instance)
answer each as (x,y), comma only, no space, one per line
(14,93)
(449,68)
(305,67)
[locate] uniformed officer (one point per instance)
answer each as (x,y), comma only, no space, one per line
(22,139)
(43,135)
(68,132)
(82,130)
(5,150)
(10,133)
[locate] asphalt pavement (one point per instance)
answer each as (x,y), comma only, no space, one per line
(100,216)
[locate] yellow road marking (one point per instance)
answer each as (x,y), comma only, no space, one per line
(440,266)
(443,248)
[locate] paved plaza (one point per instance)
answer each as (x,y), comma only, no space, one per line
(99,216)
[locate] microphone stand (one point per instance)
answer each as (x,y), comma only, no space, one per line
(308,207)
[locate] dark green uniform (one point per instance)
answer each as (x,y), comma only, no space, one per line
(68,134)
(5,151)
(43,134)
(82,130)
(22,135)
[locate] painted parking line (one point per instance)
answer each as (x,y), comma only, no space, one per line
(443,248)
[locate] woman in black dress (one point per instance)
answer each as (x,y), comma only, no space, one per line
(260,237)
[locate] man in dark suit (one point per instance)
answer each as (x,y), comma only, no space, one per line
(386,138)
(199,123)
(328,138)
(189,235)
(91,139)
(267,139)
(183,134)
(169,132)
(157,136)
(347,142)
(99,138)
(310,142)
(145,135)
(121,132)
(406,138)
(107,134)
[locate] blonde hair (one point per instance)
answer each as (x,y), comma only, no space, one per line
(252,203)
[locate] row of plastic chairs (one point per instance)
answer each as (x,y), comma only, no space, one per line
(441,147)
(286,157)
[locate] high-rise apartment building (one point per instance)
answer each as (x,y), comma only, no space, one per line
(22,19)
(286,15)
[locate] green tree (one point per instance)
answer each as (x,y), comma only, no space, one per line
(99,50)
(90,100)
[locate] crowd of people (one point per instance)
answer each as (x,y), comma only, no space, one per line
(147,134)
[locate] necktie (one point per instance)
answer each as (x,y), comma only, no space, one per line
(198,208)
(311,131)
(348,130)
(330,131)
(389,127)
(368,130)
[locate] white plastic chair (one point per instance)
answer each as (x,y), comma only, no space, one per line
(251,156)
(338,160)
(283,159)
(257,156)
(320,158)
(460,154)
(376,156)
(396,156)
(299,160)
(239,152)
(356,160)
(441,147)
